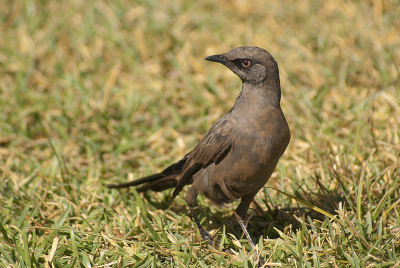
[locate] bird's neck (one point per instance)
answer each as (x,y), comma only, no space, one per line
(267,94)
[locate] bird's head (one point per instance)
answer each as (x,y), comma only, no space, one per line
(253,65)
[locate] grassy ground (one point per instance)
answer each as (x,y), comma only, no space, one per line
(95,92)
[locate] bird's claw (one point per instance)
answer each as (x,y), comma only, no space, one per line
(214,241)
(261,262)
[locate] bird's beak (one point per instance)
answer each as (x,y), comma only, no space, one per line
(217,58)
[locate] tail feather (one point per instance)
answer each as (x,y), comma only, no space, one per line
(160,185)
(157,182)
(148,179)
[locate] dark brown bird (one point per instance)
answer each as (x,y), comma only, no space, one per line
(237,156)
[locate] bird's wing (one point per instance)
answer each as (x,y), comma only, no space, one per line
(213,148)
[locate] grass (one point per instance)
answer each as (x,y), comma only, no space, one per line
(97,92)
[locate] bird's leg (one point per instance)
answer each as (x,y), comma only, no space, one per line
(204,233)
(246,233)
(190,198)
(240,214)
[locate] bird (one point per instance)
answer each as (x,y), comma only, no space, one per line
(238,154)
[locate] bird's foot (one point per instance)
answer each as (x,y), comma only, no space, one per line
(261,262)
(212,240)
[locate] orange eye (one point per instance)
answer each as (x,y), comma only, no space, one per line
(246,63)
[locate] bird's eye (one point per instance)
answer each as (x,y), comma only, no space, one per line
(246,63)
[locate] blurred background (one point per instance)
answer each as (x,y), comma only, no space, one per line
(95,92)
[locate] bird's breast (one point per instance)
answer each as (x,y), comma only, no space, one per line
(258,142)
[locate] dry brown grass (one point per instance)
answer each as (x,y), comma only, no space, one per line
(93,92)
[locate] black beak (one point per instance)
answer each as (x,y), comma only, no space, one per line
(217,58)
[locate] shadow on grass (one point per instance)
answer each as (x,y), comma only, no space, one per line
(261,221)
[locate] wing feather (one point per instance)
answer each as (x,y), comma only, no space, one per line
(213,148)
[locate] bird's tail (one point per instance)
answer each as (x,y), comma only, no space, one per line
(166,179)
